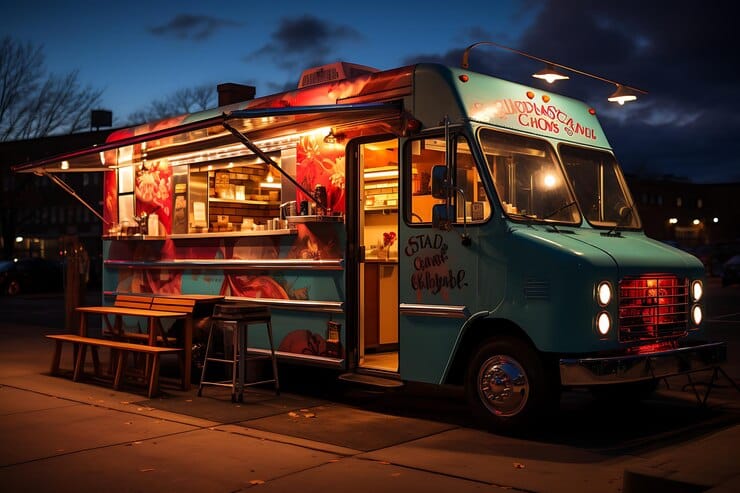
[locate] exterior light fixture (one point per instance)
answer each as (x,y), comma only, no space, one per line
(65,165)
(673,220)
(333,138)
(622,95)
(550,73)
(715,220)
(695,222)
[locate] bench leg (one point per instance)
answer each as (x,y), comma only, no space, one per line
(79,362)
(96,360)
(120,365)
(56,358)
(153,375)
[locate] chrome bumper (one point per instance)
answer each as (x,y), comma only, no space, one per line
(633,368)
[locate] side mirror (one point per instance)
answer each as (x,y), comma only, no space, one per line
(440,220)
(439,182)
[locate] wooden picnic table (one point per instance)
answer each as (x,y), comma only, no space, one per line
(154,324)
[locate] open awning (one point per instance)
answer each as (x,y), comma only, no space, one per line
(203,130)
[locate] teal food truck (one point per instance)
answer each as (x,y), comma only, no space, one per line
(425,223)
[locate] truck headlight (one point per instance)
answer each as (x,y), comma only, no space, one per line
(603,323)
(697,290)
(697,314)
(604,293)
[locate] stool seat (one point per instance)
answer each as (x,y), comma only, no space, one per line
(237,317)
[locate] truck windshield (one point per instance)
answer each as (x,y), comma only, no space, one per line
(528,178)
(599,187)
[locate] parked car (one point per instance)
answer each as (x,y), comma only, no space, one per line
(30,275)
(731,271)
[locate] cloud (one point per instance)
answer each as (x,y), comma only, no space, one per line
(684,126)
(307,40)
(192,27)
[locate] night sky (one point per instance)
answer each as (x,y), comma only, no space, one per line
(681,52)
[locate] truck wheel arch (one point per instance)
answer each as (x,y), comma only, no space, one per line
(475,332)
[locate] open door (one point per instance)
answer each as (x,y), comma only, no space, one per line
(377,231)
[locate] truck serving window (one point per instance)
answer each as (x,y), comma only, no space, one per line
(529,181)
(599,187)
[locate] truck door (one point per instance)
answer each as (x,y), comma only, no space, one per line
(438,282)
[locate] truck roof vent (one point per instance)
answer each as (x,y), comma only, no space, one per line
(333,72)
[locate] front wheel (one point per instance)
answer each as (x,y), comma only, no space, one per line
(507,385)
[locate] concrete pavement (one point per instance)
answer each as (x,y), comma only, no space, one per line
(62,436)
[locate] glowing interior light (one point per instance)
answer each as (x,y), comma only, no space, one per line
(550,181)
(715,220)
(65,164)
(603,323)
(673,220)
(695,222)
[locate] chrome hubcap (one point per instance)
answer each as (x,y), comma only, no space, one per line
(502,385)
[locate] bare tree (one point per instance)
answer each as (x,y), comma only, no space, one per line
(182,101)
(34,103)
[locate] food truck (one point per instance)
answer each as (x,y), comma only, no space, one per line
(425,223)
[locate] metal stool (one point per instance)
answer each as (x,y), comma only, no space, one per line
(238,317)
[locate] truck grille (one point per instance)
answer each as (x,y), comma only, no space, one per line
(653,307)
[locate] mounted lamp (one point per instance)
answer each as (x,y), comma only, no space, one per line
(550,73)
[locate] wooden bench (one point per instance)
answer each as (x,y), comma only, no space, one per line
(122,349)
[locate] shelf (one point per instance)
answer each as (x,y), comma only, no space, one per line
(315,219)
(246,201)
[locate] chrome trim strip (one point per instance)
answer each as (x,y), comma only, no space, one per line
(317,360)
(447,311)
(298,305)
(279,264)
(633,368)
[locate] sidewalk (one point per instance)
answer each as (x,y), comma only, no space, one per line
(63,436)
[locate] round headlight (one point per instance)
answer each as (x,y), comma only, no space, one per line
(603,323)
(696,314)
(697,290)
(604,293)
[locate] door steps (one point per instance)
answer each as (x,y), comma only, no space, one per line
(371,381)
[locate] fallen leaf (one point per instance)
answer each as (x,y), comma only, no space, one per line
(149,469)
(188,400)
(309,415)
(518,465)
(304,410)
(395,474)
(256,481)
(292,414)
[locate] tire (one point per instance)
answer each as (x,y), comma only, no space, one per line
(507,386)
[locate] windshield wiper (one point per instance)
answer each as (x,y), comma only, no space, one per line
(625,214)
(559,209)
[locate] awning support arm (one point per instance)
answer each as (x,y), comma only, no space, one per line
(257,151)
(64,186)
